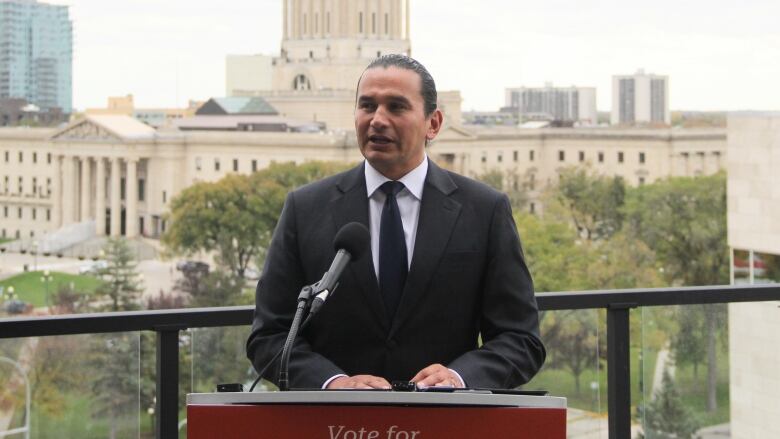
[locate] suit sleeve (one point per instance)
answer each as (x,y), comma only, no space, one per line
(275,302)
(512,351)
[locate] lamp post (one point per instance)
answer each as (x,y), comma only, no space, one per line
(46,279)
(26,428)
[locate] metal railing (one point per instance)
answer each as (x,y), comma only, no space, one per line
(168,323)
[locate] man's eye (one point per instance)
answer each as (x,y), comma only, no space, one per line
(366,106)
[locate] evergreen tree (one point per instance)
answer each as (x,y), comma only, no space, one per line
(122,283)
(667,417)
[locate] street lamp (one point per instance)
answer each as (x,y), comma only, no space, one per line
(46,279)
(26,428)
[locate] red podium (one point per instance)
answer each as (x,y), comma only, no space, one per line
(374,415)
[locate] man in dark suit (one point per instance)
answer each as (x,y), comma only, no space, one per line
(445,266)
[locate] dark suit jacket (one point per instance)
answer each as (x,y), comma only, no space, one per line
(467,278)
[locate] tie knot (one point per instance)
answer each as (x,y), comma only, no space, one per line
(392,187)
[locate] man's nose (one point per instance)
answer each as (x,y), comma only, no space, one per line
(380,118)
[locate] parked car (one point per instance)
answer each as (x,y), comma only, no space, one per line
(93,267)
(192,266)
(15,306)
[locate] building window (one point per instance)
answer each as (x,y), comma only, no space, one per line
(532,208)
(198,164)
(21,156)
(327,22)
(21,184)
(18,234)
(48,214)
(19,213)
(500,157)
(532,182)
(387,22)
(582,156)
(641,181)
(235,165)
(642,157)
(48,158)
(7,155)
(141,189)
(122,188)
(35,157)
(601,157)
(373,22)
(34,213)
(360,23)
(484,157)
(561,155)
(514,155)
(531,155)
(35,185)
(216,164)
(620,157)
(5,211)
(254,165)
(311,54)
(165,197)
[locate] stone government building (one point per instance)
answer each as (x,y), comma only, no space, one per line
(113,175)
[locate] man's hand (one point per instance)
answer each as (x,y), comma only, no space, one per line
(359,382)
(437,375)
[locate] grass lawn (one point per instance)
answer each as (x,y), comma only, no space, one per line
(694,390)
(29,287)
(4,240)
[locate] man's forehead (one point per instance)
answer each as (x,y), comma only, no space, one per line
(392,81)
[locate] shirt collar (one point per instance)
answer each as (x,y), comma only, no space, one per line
(414,180)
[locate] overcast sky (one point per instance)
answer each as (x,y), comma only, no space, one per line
(719,55)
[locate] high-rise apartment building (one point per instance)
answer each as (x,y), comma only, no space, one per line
(574,104)
(640,98)
(36,53)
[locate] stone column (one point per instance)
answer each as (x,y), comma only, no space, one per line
(56,195)
(131,199)
(116,203)
(68,191)
(100,197)
(85,188)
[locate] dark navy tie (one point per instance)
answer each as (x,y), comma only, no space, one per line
(393,265)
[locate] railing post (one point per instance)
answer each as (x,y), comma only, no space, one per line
(167,404)
(619,370)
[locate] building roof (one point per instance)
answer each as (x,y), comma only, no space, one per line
(103,126)
(237,105)
(235,123)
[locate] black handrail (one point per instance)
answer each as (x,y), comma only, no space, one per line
(168,323)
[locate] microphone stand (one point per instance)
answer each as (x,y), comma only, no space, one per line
(303,302)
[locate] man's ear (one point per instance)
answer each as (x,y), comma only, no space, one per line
(435,122)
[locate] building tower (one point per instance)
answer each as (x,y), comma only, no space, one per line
(640,99)
(36,53)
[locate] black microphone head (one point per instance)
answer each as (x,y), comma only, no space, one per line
(354,238)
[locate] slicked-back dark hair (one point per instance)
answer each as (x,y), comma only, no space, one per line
(427,85)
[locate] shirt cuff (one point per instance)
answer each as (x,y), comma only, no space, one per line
(325,386)
(462,383)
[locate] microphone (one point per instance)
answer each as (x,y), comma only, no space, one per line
(350,244)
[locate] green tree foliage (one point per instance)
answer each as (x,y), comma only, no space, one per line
(684,221)
(236,215)
(122,283)
(113,380)
(508,182)
(591,202)
(667,416)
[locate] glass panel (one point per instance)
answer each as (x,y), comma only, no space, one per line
(766,268)
(685,372)
(575,345)
(219,356)
(82,386)
(741,267)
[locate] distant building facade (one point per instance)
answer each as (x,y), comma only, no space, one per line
(122,174)
(754,238)
(565,104)
(154,117)
(36,54)
(640,98)
(246,74)
(19,112)
(326,45)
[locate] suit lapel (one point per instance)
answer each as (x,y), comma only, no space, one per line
(438,214)
(352,206)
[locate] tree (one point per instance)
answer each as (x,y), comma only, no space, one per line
(122,283)
(684,221)
(236,215)
(506,181)
(590,201)
(667,416)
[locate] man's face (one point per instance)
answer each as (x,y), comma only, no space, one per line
(390,120)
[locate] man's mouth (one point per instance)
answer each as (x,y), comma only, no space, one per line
(380,140)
